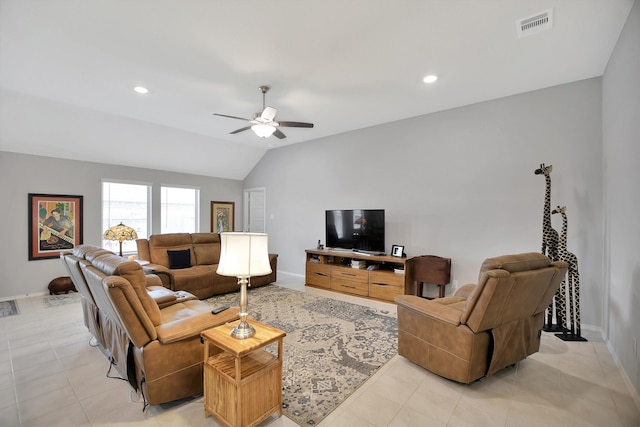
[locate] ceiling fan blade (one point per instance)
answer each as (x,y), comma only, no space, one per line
(269,113)
(278,134)
(240,130)
(295,124)
(232,117)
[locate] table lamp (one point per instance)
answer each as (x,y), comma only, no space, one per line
(243,255)
(120,233)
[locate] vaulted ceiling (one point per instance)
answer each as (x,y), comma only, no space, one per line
(68,69)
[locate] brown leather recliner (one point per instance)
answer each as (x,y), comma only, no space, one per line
(483,328)
(155,346)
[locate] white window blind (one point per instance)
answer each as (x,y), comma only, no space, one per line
(126,203)
(180,207)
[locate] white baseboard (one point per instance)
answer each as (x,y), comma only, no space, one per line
(35,294)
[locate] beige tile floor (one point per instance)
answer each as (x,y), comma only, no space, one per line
(51,376)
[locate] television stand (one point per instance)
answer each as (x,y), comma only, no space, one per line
(382,277)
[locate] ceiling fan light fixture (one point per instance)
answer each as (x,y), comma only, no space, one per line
(263,131)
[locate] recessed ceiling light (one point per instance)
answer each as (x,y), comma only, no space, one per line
(430,78)
(141,89)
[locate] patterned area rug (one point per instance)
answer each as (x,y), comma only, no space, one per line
(9,308)
(331,348)
(63,299)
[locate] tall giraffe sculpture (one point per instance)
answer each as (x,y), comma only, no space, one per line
(550,249)
(573,280)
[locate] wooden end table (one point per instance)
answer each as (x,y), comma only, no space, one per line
(243,382)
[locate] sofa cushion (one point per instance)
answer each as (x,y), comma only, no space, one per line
(179,259)
(206,248)
(198,280)
(160,243)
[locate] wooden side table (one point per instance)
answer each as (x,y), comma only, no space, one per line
(243,382)
(430,269)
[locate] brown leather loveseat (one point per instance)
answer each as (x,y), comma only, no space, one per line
(149,333)
(188,262)
(483,328)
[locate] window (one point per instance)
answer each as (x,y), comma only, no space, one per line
(180,207)
(129,204)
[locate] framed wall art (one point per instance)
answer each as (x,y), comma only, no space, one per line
(55,224)
(222,215)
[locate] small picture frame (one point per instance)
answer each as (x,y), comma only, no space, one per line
(397,251)
(222,216)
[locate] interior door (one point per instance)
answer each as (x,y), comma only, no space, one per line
(254,210)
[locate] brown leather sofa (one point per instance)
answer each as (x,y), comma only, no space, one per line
(197,276)
(483,328)
(149,333)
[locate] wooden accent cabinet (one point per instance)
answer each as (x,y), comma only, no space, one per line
(243,382)
(385,278)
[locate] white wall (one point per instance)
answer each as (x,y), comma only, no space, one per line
(459,183)
(621,135)
(22,174)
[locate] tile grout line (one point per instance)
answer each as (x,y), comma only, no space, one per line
(13,378)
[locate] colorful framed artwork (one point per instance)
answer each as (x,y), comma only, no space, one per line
(55,224)
(222,215)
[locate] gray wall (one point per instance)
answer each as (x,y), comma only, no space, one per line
(621,135)
(23,174)
(458,183)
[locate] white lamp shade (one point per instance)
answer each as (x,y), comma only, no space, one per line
(263,131)
(244,255)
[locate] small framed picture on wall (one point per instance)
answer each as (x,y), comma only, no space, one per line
(222,215)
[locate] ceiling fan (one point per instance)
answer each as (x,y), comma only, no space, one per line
(263,123)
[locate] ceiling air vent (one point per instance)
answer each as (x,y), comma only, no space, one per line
(535,23)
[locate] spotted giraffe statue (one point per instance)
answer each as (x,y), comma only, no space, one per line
(573,280)
(549,235)
(550,249)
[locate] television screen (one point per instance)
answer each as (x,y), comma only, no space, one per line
(355,229)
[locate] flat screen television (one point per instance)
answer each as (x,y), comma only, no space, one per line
(355,229)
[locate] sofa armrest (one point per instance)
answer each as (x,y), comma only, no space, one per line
(192,326)
(152,280)
(437,309)
(465,291)
(273,261)
(143,249)
(161,295)
(165,297)
(165,275)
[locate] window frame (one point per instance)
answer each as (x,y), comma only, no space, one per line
(127,247)
(196,225)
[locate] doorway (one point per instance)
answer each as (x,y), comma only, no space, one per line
(254,220)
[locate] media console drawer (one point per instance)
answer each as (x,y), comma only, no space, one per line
(386,278)
(318,275)
(350,280)
(347,273)
(385,292)
(350,287)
